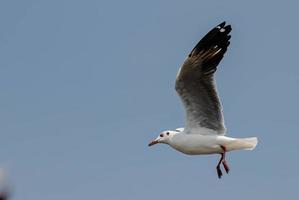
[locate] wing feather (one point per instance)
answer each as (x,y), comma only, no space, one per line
(196,86)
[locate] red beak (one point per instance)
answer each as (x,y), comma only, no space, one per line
(153,142)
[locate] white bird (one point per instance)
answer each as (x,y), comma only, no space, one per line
(204,131)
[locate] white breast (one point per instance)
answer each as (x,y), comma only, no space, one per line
(195,144)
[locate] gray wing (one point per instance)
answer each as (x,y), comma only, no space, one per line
(196,86)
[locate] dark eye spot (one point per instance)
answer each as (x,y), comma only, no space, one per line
(161,135)
(167,133)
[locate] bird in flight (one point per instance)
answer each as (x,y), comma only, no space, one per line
(204,131)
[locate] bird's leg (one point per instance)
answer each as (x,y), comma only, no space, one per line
(225,165)
(219,172)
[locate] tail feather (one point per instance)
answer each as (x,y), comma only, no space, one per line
(250,143)
(243,144)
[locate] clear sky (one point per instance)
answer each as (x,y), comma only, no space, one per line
(85,85)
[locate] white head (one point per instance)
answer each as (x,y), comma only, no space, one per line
(163,137)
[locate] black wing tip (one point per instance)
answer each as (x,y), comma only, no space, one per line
(226,29)
(215,43)
(222,24)
(219,36)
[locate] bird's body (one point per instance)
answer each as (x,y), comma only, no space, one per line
(204,132)
(197,144)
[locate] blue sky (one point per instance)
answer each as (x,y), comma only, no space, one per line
(85,85)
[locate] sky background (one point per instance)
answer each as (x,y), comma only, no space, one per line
(85,85)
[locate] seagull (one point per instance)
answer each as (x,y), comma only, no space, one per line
(204,131)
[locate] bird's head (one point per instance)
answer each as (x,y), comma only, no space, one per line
(163,137)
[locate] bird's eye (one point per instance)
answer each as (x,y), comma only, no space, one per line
(167,133)
(161,135)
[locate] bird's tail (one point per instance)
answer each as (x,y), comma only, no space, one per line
(249,143)
(243,144)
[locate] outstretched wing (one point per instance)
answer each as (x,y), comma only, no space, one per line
(196,86)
